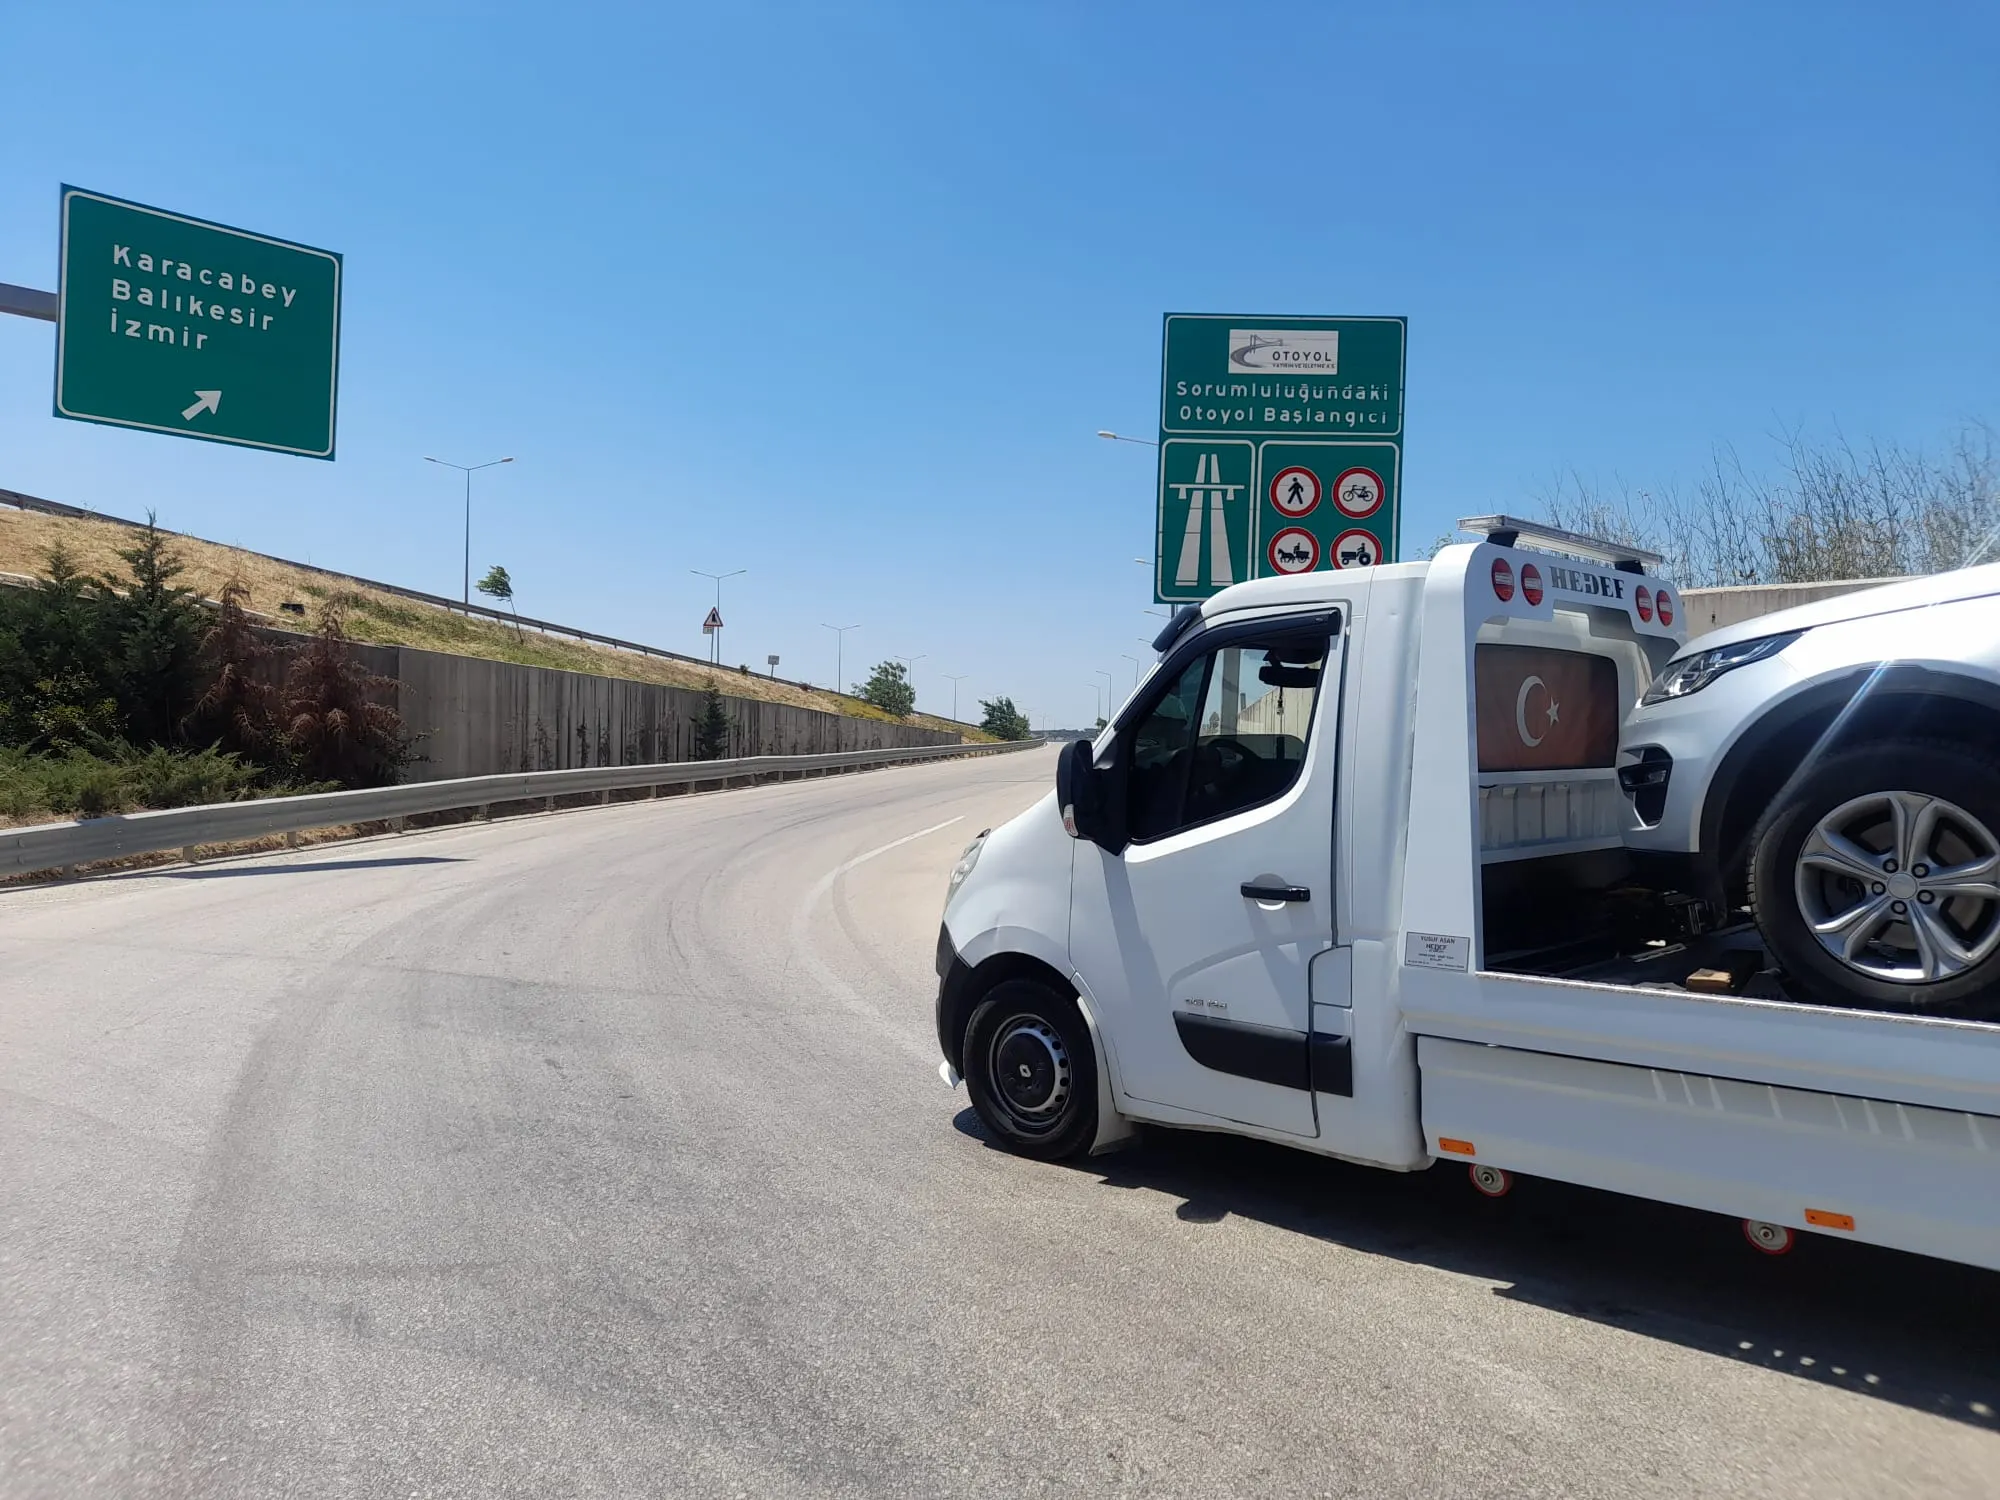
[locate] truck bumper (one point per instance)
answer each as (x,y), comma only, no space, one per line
(952,972)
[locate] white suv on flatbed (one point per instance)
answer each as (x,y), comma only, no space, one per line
(1837,766)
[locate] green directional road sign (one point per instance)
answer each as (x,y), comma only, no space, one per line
(177,325)
(1315,405)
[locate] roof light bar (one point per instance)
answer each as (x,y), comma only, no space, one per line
(1508,532)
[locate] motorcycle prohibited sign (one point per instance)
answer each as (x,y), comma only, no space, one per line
(1358,493)
(1294,550)
(1294,492)
(1356,549)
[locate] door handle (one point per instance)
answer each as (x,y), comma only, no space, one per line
(1276,892)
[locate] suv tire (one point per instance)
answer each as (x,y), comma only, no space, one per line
(1875,879)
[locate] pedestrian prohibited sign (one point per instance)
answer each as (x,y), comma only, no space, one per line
(1293,550)
(1294,491)
(1356,549)
(1358,493)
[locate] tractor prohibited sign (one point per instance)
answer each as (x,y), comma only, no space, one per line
(1356,549)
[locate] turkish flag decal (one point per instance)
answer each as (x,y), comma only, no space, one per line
(1540,709)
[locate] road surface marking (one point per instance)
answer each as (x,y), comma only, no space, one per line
(832,983)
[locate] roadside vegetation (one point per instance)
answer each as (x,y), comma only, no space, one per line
(888,688)
(287,596)
(1002,720)
(713,726)
(122,691)
(1826,511)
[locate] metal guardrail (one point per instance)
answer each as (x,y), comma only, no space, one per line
(58,846)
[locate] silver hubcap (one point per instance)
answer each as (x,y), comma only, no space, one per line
(1902,887)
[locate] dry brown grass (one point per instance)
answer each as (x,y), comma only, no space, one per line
(390,620)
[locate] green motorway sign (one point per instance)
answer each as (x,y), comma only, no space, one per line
(1281,443)
(177,325)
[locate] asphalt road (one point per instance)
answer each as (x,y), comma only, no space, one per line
(603,1154)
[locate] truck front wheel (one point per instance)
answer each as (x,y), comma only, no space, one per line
(1875,879)
(1030,1070)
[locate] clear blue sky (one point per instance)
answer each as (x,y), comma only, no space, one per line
(840,293)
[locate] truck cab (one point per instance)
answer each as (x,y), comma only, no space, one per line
(1219,871)
(1347,872)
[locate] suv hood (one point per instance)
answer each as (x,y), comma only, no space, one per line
(1914,593)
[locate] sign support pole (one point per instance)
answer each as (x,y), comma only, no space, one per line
(26,302)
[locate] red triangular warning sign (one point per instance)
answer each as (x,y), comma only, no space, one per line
(714,620)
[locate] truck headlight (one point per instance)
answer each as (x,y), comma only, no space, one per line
(965,863)
(1693,673)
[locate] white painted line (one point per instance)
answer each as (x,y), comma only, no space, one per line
(826,881)
(834,986)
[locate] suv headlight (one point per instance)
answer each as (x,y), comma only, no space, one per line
(1693,673)
(965,863)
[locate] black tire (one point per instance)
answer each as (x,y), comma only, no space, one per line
(1927,944)
(1031,1071)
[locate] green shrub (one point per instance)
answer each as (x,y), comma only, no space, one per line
(20,789)
(79,784)
(187,778)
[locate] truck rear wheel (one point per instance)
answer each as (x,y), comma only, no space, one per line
(1031,1071)
(1875,879)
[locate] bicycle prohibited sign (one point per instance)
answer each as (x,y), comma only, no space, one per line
(1358,493)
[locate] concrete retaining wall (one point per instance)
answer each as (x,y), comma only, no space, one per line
(1711,609)
(488,718)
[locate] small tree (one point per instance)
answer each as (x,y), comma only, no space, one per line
(336,727)
(497,585)
(57,692)
(888,688)
(712,727)
(156,627)
(239,711)
(1003,720)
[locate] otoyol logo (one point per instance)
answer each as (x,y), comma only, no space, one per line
(1315,351)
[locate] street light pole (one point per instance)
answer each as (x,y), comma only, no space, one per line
(468,470)
(909,662)
(839,645)
(1117,437)
(715,636)
(954,678)
(1135,667)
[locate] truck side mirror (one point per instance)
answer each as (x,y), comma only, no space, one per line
(1077,792)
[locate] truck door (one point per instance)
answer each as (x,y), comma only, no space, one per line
(1195,939)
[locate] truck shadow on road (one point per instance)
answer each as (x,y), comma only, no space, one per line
(1901,1328)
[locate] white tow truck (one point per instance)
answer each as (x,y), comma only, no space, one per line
(1347,872)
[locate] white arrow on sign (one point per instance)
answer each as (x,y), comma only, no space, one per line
(203,401)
